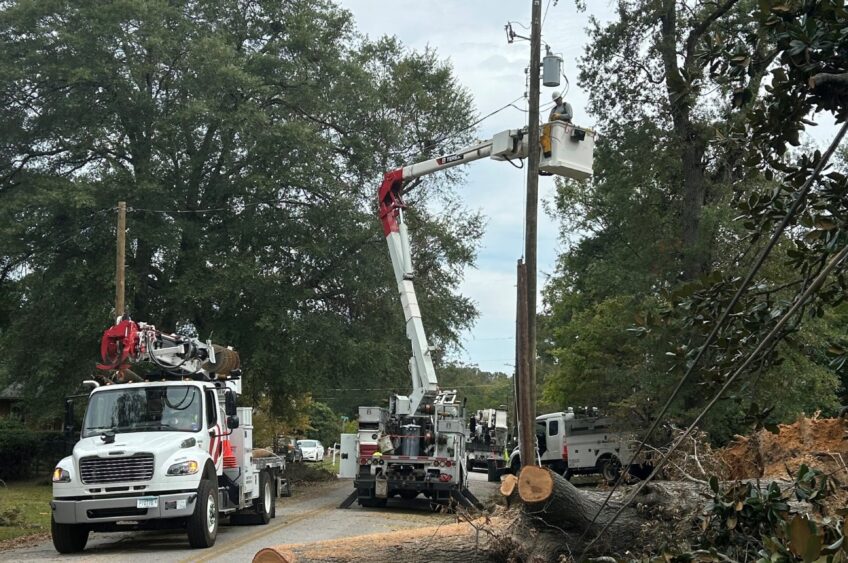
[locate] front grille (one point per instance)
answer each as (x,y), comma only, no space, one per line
(118,469)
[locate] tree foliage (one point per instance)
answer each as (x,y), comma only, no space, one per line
(248,139)
(699,103)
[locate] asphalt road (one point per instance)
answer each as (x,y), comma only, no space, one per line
(310,514)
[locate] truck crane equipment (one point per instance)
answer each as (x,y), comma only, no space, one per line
(168,449)
(418,445)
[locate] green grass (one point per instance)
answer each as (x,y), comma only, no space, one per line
(25,508)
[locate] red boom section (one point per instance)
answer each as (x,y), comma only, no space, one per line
(118,344)
(389,200)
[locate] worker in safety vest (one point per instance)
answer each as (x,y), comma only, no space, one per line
(562,110)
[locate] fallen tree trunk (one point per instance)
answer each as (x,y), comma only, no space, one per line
(454,542)
(548,518)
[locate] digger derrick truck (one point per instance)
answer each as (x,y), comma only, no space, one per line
(169,449)
(418,444)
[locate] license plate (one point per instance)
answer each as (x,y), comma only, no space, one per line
(147,502)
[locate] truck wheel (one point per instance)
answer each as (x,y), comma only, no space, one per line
(202,525)
(492,473)
(68,538)
(610,469)
(266,506)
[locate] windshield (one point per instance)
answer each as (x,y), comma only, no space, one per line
(307,443)
(144,409)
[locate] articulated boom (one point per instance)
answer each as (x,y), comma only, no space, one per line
(503,146)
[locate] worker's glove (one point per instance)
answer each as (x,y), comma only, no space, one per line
(555,116)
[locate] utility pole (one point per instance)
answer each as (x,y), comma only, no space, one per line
(527,383)
(524,404)
(120,259)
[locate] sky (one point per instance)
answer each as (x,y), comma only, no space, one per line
(470,34)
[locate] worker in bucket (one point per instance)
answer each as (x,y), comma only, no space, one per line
(562,110)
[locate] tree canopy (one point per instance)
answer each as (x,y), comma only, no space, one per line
(700,104)
(248,139)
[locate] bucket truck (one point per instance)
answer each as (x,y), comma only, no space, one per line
(169,449)
(418,445)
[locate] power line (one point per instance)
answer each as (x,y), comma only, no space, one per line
(801,194)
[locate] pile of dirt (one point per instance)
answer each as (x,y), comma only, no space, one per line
(821,443)
(302,473)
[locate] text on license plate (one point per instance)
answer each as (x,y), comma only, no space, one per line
(147,502)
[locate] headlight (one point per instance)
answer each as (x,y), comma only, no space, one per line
(61,476)
(184,468)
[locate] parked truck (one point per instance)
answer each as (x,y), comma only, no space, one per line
(584,442)
(418,444)
(488,441)
(169,449)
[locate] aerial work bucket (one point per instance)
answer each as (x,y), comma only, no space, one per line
(567,150)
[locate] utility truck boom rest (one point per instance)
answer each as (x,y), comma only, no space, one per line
(418,445)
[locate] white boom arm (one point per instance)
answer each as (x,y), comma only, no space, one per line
(505,145)
(567,150)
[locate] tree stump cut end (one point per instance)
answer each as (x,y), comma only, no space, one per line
(271,555)
(535,484)
(508,485)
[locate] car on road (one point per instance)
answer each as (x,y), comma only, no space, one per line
(312,450)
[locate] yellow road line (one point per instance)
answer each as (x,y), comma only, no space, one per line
(265,530)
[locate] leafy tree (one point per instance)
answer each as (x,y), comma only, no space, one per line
(248,140)
(324,424)
(692,139)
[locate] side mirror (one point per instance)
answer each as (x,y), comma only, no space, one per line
(232,422)
(69,417)
(230,403)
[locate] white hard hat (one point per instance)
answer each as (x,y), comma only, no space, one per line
(555,94)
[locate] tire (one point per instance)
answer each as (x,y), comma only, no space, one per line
(202,525)
(492,473)
(68,538)
(265,506)
(610,469)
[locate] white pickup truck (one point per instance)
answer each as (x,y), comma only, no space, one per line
(571,443)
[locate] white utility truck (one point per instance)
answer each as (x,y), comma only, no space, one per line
(418,444)
(584,442)
(169,449)
(488,437)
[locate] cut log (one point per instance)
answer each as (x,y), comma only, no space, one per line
(553,500)
(454,542)
(509,488)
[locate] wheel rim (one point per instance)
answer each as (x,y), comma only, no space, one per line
(267,498)
(211,514)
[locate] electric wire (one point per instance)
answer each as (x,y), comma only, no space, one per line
(800,195)
(799,302)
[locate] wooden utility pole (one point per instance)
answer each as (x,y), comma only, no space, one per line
(120,259)
(524,402)
(527,382)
